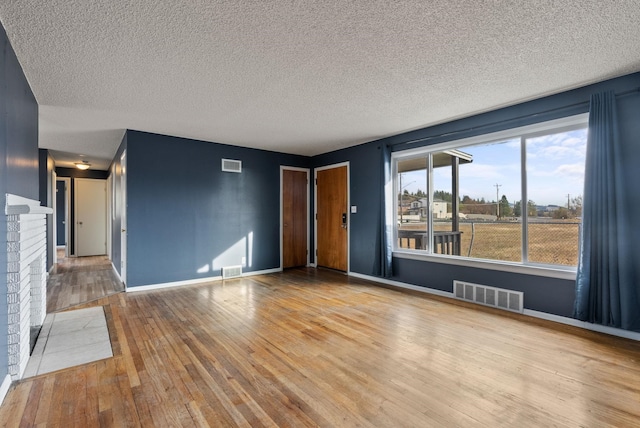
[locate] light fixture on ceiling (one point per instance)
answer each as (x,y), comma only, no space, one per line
(83,165)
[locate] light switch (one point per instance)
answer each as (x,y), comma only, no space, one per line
(354,209)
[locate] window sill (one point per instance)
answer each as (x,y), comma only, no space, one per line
(559,272)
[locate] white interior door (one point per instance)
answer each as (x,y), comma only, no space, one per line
(123,217)
(90,216)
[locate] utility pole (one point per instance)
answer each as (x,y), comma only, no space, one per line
(568,201)
(497,186)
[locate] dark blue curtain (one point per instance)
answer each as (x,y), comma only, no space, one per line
(606,290)
(386,218)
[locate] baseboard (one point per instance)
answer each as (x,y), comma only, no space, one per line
(402,285)
(262,272)
(585,325)
(4,388)
(195,281)
(536,314)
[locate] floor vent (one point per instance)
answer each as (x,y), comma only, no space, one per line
(490,296)
(231,272)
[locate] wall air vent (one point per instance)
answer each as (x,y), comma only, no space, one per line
(231,165)
(231,272)
(489,296)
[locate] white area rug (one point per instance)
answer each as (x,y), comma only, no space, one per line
(69,339)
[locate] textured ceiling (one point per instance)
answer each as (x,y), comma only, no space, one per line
(302,77)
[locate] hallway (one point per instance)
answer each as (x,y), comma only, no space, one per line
(79,280)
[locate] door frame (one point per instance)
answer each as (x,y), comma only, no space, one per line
(308,172)
(315,211)
(109,215)
(75,210)
(67,204)
(54,218)
(121,200)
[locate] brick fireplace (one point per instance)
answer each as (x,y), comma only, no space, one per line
(26,276)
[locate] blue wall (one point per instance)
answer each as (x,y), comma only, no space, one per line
(18,159)
(186,218)
(543,294)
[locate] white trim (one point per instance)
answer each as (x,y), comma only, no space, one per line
(564,124)
(77,202)
(54,219)
(109,211)
(18,205)
(117,274)
(121,199)
(262,272)
(495,265)
(632,335)
(172,284)
(315,210)
(196,281)
(4,388)
(583,324)
(308,171)
(402,285)
(67,210)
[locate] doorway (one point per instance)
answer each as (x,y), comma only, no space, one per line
(332,216)
(90,217)
(122,200)
(63,185)
(294,216)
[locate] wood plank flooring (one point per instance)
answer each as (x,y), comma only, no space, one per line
(316,348)
(77,280)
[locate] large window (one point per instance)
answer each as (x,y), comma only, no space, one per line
(513,196)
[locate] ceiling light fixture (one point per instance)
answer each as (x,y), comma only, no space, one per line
(83,165)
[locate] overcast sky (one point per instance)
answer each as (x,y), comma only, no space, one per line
(555,168)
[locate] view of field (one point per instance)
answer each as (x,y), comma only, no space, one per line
(550,243)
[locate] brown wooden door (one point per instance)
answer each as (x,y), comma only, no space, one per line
(332,218)
(294,218)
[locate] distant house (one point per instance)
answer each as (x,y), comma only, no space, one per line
(546,210)
(420,206)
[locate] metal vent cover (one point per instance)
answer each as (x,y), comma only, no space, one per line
(231,272)
(489,296)
(231,165)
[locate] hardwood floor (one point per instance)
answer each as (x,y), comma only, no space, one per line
(77,280)
(316,348)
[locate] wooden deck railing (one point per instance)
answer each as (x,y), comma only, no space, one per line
(444,242)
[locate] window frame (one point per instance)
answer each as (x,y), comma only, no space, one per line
(523,133)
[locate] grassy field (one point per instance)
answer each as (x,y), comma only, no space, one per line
(551,243)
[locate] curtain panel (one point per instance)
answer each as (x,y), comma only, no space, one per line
(606,290)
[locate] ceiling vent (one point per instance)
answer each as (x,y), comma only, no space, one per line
(231,165)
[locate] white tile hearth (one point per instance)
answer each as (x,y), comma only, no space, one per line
(68,339)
